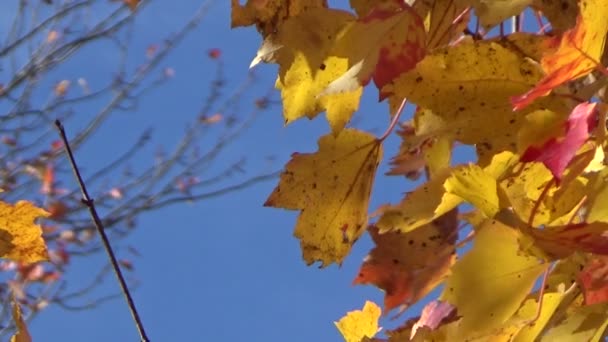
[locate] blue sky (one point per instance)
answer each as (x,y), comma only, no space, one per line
(226,269)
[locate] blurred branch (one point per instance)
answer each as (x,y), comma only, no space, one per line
(37,45)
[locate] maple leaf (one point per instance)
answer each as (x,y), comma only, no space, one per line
(557,153)
(594,280)
(376,46)
(331,188)
(493,12)
(22,334)
(419,207)
(442,193)
(302,48)
(582,323)
(463,83)
(407,266)
(433,314)
(559,242)
(489,283)
(577,53)
(560,13)
(419,151)
(444,20)
(525,44)
(474,185)
(269,15)
(359,324)
(598,197)
(21,239)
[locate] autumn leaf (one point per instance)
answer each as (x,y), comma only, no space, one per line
(444,20)
(475,186)
(560,13)
(268,15)
(583,323)
(302,49)
(463,83)
(407,266)
(331,188)
(376,46)
(527,331)
(434,198)
(594,280)
(493,12)
(20,238)
(419,207)
(22,334)
(433,314)
(489,283)
(577,53)
(359,324)
(557,153)
(423,147)
(561,241)
(419,152)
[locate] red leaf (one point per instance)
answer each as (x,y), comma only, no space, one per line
(575,53)
(594,280)
(561,241)
(407,266)
(400,49)
(557,153)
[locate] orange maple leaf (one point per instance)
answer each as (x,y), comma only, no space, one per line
(577,51)
(407,266)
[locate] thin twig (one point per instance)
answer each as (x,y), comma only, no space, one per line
(101,230)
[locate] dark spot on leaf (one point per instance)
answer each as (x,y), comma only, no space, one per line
(512,121)
(418,79)
(395,261)
(314,185)
(322,67)
(411,242)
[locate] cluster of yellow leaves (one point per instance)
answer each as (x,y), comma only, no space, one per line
(533,106)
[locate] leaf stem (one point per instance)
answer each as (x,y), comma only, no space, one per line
(88,201)
(394,121)
(539,200)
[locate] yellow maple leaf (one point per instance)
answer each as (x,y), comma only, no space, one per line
(359,324)
(493,12)
(560,13)
(475,186)
(489,283)
(306,67)
(583,323)
(419,207)
(20,238)
(463,83)
(443,20)
(268,15)
(389,41)
(577,52)
(435,198)
(331,187)
(22,334)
